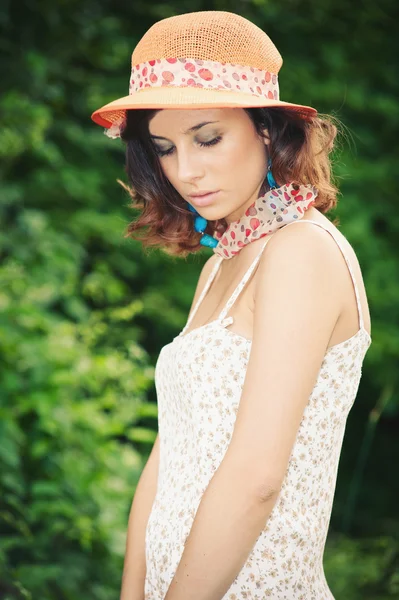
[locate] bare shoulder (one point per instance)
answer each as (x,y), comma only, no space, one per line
(304,240)
(203,278)
(302,261)
(323,250)
(207,270)
(209,264)
(315,233)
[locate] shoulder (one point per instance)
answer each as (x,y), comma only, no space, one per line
(306,249)
(210,263)
(301,263)
(206,270)
(306,237)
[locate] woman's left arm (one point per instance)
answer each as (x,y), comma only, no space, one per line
(297,303)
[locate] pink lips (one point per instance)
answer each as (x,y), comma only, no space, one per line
(203,200)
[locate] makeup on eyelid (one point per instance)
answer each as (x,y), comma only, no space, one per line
(211,142)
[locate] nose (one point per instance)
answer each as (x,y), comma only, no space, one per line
(188,166)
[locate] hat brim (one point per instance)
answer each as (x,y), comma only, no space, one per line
(187,98)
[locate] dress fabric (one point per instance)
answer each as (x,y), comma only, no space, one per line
(199,378)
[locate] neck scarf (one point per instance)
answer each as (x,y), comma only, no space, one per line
(268,213)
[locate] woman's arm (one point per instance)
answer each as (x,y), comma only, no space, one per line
(297,303)
(134,570)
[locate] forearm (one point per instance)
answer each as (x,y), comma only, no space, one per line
(134,570)
(229,519)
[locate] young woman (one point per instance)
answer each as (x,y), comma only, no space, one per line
(253,394)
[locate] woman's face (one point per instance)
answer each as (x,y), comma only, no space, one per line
(225,156)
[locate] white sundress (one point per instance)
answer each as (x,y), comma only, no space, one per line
(199,379)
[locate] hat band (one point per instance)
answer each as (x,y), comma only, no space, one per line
(205,74)
(208,74)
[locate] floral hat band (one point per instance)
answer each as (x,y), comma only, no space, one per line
(205,74)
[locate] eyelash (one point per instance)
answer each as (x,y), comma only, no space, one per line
(202,144)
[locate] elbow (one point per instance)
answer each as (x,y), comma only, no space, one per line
(256,483)
(268,490)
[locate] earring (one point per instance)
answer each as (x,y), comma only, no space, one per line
(270,179)
(200,225)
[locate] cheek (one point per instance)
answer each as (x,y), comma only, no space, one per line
(226,164)
(244,162)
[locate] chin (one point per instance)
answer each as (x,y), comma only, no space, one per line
(210,213)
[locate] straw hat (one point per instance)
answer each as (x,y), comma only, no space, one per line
(201,59)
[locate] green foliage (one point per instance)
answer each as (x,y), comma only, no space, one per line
(356,566)
(84,313)
(73,388)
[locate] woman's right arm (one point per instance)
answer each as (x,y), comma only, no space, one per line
(134,569)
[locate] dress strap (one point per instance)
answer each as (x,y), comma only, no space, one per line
(242,283)
(203,293)
(359,306)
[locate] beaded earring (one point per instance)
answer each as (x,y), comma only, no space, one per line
(270,179)
(200,223)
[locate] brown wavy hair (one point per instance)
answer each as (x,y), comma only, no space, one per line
(300,151)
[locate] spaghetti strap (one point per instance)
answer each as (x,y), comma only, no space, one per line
(232,297)
(204,291)
(240,287)
(223,314)
(359,306)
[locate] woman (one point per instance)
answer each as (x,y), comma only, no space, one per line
(253,394)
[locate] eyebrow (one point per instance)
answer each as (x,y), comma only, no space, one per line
(194,128)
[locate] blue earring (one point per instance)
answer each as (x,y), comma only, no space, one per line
(200,225)
(270,179)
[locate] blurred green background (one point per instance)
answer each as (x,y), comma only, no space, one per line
(85,312)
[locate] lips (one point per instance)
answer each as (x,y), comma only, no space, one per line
(205,199)
(200,194)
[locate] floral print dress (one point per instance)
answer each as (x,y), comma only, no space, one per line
(199,378)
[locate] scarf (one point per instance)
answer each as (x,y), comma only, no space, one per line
(269,212)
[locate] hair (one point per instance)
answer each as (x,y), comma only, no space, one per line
(300,148)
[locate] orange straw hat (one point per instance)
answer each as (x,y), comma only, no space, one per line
(201,59)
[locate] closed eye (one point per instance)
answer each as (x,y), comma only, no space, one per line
(213,142)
